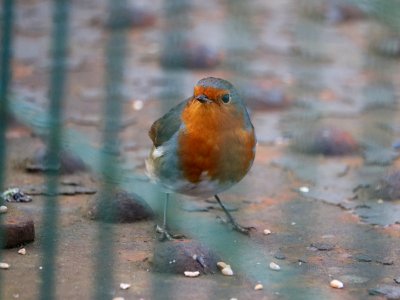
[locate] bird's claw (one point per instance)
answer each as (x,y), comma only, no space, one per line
(237,227)
(165,235)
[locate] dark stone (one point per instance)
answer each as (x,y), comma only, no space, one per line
(363,258)
(128,17)
(123,207)
(68,162)
(328,141)
(388,187)
(389,291)
(387,261)
(337,12)
(18,228)
(334,11)
(280,255)
(322,246)
(260,98)
(178,256)
(191,56)
(63,189)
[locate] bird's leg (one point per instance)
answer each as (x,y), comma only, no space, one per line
(164,234)
(236,226)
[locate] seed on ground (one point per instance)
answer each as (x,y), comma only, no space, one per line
(227,271)
(3,209)
(124,286)
(258,286)
(22,251)
(274,266)
(337,284)
(304,189)
(191,274)
(221,265)
(267,231)
(4,265)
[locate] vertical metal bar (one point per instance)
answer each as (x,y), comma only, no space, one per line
(115,54)
(6,77)
(55,115)
(5,71)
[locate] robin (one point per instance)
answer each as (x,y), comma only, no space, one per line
(203,146)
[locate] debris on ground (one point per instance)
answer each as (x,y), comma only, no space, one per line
(179,256)
(15,195)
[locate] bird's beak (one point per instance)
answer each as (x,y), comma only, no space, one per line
(203,99)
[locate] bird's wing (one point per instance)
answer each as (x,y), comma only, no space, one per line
(165,127)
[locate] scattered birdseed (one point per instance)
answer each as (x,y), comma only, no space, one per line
(191,274)
(3,209)
(227,271)
(221,265)
(22,251)
(124,286)
(4,265)
(267,231)
(304,189)
(258,286)
(336,284)
(274,266)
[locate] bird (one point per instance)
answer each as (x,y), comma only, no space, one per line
(202,146)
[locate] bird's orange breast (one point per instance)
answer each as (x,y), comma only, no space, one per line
(215,143)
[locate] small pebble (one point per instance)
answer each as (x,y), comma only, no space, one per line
(280,255)
(304,189)
(124,286)
(258,286)
(191,274)
(274,266)
(3,209)
(227,271)
(267,231)
(397,280)
(336,284)
(4,265)
(22,251)
(322,246)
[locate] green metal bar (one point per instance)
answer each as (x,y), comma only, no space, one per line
(6,76)
(5,79)
(55,117)
(109,167)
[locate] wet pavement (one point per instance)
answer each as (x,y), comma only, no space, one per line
(322,85)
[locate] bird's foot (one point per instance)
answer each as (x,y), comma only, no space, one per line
(165,235)
(237,227)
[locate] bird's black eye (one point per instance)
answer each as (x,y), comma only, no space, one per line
(226,98)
